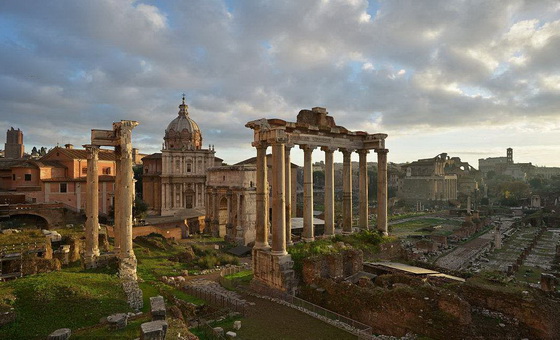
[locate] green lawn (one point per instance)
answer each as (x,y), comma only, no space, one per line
(424,226)
(46,302)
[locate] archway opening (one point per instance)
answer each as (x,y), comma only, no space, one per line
(223,216)
(24,221)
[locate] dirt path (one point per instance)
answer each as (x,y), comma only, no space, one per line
(271,321)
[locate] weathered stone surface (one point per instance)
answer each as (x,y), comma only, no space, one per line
(231,334)
(153,330)
(157,307)
(237,325)
(134,294)
(117,321)
(60,334)
(548,282)
(219,331)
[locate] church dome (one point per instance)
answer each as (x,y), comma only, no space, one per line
(182,133)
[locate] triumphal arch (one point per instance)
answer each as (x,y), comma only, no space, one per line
(314,129)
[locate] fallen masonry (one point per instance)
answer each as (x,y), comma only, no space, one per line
(214,289)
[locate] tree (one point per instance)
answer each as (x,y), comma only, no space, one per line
(319,178)
(140,208)
(511,192)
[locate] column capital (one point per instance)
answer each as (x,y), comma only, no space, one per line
(382,151)
(260,144)
(362,151)
(92,151)
(345,151)
(307,147)
(278,141)
(328,149)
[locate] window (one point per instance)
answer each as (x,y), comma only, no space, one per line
(63,187)
(189,167)
(107,171)
(13,177)
(27,177)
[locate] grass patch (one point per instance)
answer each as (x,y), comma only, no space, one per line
(366,240)
(131,331)
(46,302)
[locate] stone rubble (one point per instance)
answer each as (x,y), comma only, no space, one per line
(214,288)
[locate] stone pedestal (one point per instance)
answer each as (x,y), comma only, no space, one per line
(157,308)
(117,321)
(273,271)
(153,330)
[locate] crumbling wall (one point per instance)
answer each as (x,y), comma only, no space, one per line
(398,310)
(335,266)
(535,310)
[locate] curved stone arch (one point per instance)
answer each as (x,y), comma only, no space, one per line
(49,220)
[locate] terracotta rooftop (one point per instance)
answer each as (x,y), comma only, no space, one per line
(104,155)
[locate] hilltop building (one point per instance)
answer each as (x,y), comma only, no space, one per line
(175,179)
(505,166)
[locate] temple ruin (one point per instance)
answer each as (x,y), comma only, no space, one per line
(313,129)
(119,138)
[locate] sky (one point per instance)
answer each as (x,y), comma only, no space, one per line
(469,78)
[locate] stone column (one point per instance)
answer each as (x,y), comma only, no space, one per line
(116,201)
(92,203)
(329,191)
(216,214)
(288,194)
(261,239)
(363,189)
(308,228)
(347,191)
(382,190)
(239,210)
(123,216)
(230,231)
(278,199)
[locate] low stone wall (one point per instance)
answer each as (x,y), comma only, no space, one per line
(174,233)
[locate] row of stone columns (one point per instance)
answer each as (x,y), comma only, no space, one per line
(281,227)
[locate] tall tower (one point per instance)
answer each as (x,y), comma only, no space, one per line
(509,155)
(14,144)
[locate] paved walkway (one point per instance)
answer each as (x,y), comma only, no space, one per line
(461,256)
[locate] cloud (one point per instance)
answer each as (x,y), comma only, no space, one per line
(407,65)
